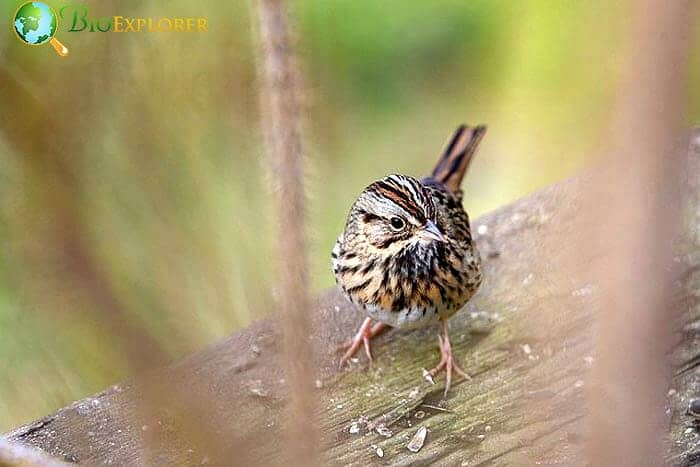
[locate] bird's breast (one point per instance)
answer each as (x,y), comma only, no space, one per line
(412,288)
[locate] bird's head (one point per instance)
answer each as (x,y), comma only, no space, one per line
(394,213)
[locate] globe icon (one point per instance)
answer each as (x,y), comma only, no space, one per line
(35,24)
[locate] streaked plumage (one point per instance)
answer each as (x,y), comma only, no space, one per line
(406,255)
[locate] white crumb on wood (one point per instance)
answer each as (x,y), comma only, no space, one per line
(418,440)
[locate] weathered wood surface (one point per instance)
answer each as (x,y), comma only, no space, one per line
(15,454)
(524,404)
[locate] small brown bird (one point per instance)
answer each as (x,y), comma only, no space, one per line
(406,256)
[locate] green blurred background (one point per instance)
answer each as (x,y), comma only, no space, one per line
(163,167)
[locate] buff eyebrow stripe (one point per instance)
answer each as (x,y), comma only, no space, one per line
(397,197)
(402,199)
(395,190)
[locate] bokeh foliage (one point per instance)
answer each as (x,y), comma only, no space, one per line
(163,145)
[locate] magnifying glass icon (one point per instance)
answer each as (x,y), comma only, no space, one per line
(35,24)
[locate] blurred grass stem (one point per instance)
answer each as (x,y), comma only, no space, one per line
(282,120)
(633,207)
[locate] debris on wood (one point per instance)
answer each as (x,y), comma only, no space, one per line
(483,322)
(257,389)
(435,407)
(418,440)
(694,409)
(382,430)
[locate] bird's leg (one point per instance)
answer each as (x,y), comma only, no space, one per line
(366,332)
(447,363)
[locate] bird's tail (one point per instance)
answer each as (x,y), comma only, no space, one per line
(454,162)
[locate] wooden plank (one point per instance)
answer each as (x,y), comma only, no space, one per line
(525,338)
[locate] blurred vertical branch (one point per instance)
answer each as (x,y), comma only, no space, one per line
(634,209)
(282,121)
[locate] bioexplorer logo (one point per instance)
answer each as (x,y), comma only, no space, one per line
(36,23)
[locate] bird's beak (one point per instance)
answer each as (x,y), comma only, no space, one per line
(431,232)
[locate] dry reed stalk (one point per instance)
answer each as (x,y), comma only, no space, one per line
(633,209)
(282,121)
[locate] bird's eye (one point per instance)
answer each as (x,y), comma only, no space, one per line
(397,223)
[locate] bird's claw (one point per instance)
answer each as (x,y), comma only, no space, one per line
(363,336)
(447,362)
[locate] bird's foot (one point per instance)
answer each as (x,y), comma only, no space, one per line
(447,362)
(366,332)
